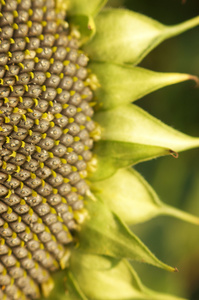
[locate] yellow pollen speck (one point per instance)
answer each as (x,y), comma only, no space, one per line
(9,211)
(47,229)
(66,62)
(27,52)
(41,37)
(9,178)
(9,194)
(71,120)
(38,149)
(34,193)
(29,24)
(48,75)
(63,200)
(27,229)
(75,79)
(15,13)
(21,65)
(32,175)
(53,211)
(53,173)
(2,241)
(22,202)
(60,219)
(59,91)
(44,23)
(14,235)
(15,26)
(7,120)
(57,142)
(36,59)
(72,93)
(64,161)
(41,165)
(4,165)
(57,116)
(15,110)
(12,41)
(15,128)
(65,105)
(28,158)
(24,117)
(30,12)
(55,191)
(66,180)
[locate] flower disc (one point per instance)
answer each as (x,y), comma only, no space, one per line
(45,126)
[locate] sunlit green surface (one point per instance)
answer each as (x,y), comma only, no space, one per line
(175,181)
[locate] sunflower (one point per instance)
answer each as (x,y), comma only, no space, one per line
(69,76)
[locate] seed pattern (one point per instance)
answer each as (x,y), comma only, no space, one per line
(45,143)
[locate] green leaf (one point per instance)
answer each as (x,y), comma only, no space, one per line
(112,155)
(102,277)
(124,36)
(133,199)
(130,123)
(122,84)
(73,289)
(105,234)
(85,25)
(85,7)
(65,288)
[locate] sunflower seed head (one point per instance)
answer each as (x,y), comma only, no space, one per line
(45,143)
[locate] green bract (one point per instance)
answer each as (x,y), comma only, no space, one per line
(116,40)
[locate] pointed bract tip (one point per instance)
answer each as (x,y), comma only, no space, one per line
(194,78)
(176,270)
(174,153)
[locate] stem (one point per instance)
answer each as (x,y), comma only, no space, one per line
(172,211)
(182,27)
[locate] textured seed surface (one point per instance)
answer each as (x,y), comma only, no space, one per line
(45,143)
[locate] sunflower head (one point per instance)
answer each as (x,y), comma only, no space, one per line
(68,75)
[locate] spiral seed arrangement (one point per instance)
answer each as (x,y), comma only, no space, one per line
(45,125)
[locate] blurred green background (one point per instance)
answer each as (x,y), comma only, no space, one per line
(175,180)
